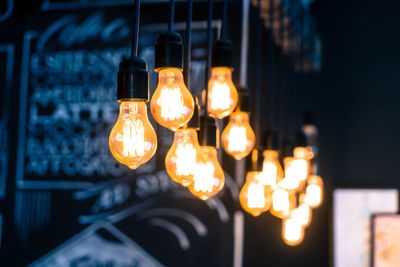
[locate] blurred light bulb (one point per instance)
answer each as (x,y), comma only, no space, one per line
(183,155)
(282,203)
(302,214)
(172,104)
(291,180)
(208,178)
(254,197)
(292,231)
(222,94)
(301,162)
(272,171)
(314,191)
(132,139)
(238,138)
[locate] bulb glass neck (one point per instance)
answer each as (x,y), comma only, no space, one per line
(170,76)
(239,117)
(221,74)
(271,155)
(209,152)
(187,135)
(132,108)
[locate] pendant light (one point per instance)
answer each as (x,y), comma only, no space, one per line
(133,140)
(172,104)
(185,151)
(222,96)
(209,177)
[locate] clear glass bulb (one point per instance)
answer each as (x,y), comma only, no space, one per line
(292,231)
(133,140)
(272,172)
(302,214)
(208,177)
(222,93)
(254,197)
(238,137)
(172,104)
(301,162)
(291,181)
(282,203)
(183,156)
(314,191)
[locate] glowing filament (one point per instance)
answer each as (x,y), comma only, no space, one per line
(133,137)
(298,168)
(204,177)
(171,103)
(313,195)
(256,196)
(302,214)
(185,159)
(220,96)
(293,230)
(237,139)
(268,176)
(280,200)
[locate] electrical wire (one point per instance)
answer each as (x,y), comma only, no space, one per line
(135,32)
(209,51)
(188,43)
(257,113)
(271,63)
(224,18)
(171,15)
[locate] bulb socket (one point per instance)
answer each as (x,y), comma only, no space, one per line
(300,139)
(208,134)
(286,149)
(244,99)
(133,80)
(168,51)
(222,54)
(271,140)
(194,122)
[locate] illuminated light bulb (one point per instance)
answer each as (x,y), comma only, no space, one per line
(172,104)
(292,231)
(132,139)
(238,138)
(222,93)
(302,214)
(254,197)
(208,178)
(183,155)
(314,191)
(272,170)
(292,180)
(301,162)
(282,203)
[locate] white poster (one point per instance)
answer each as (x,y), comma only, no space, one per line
(352,210)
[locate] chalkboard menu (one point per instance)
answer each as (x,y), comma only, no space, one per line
(74,204)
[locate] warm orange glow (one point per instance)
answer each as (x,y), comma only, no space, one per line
(301,162)
(302,214)
(222,94)
(238,138)
(172,104)
(292,231)
(272,170)
(314,191)
(292,169)
(183,155)
(132,139)
(208,177)
(254,197)
(282,203)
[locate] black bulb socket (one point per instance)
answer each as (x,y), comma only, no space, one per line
(271,139)
(222,54)
(168,51)
(208,134)
(244,99)
(300,139)
(194,122)
(133,80)
(286,148)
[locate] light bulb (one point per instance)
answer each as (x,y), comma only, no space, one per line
(302,214)
(172,104)
(272,172)
(301,162)
(282,203)
(222,93)
(208,178)
(293,168)
(314,191)
(238,138)
(254,197)
(132,139)
(183,155)
(292,231)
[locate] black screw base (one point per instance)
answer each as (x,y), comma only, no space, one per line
(222,54)
(271,140)
(208,134)
(244,100)
(133,80)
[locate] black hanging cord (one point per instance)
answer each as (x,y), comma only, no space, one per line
(135,32)
(171,15)
(224,17)
(209,51)
(188,42)
(257,113)
(271,63)
(286,80)
(277,69)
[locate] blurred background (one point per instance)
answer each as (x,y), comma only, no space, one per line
(65,201)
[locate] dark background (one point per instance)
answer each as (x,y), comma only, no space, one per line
(354,97)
